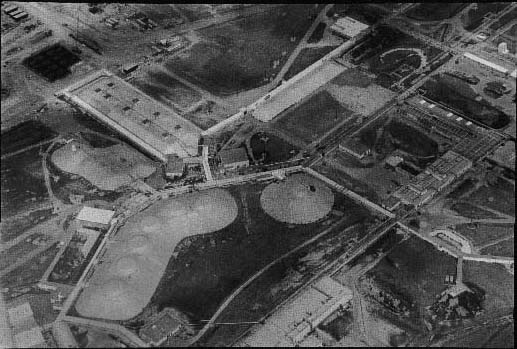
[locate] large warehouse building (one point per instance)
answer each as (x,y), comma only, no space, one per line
(152,126)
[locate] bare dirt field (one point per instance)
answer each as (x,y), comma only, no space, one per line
(239,55)
(107,168)
(357,91)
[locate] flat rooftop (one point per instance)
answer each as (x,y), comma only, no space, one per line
(145,121)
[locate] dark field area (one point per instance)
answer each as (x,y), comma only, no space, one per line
(415,270)
(208,268)
(52,63)
(499,196)
(239,55)
(435,11)
(393,66)
(24,135)
(194,12)
(504,248)
(306,57)
(504,20)
(469,210)
(495,280)
(32,271)
(396,134)
(458,95)
(167,90)
(317,35)
(269,149)
(481,234)
(11,228)
(314,117)
(278,283)
(474,17)
(23,184)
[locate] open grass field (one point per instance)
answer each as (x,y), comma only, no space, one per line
(13,227)
(495,280)
(313,118)
(167,90)
(307,57)
(468,210)
(415,270)
(435,11)
(269,149)
(239,55)
(278,283)
(499,196)
(504,248)
(23,184)
(458,95)
(32,271)
(208,268)
(481,234)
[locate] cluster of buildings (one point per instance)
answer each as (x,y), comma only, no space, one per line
(15,13)
(293,324)
(434,179)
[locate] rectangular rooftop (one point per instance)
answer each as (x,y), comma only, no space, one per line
(151,125)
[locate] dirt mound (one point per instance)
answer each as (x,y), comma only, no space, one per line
(107,168)
(133,266)
(300,199)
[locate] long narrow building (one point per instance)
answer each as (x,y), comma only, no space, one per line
(152,126)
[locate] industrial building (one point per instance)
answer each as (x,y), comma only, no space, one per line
(293,322)
(232,159)
(435,178)
(152,126)
(348,27)
(91,217)
(355,148)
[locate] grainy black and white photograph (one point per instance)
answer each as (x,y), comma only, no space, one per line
(257,175)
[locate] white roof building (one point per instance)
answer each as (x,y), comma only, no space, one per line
(348,27)
(95,215)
